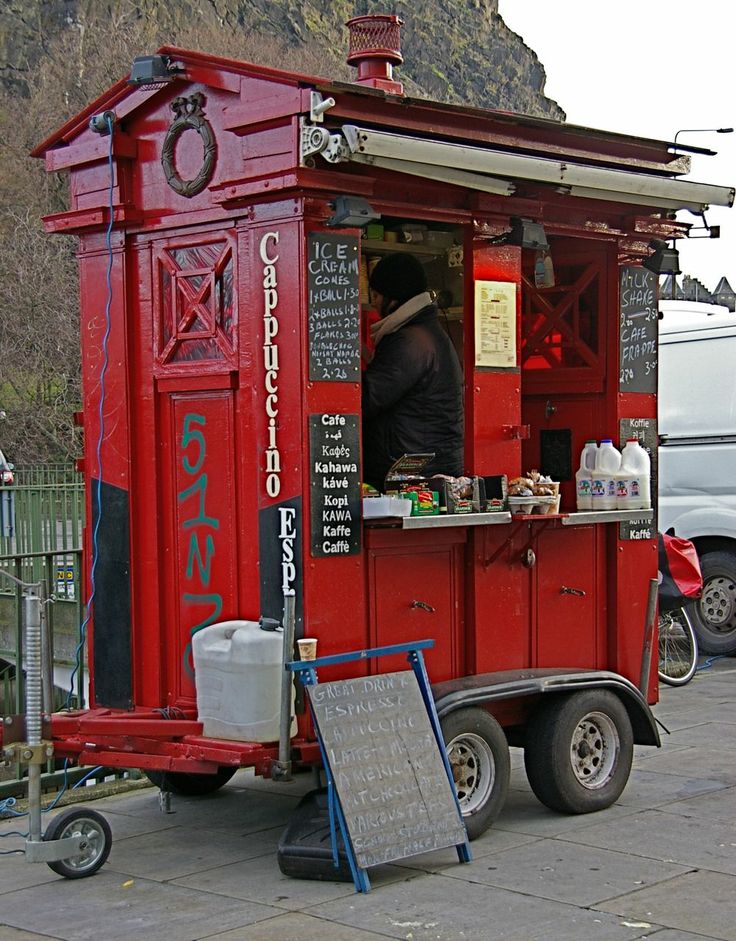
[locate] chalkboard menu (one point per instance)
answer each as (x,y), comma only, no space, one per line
(387,767)
(335,484)
(645,429)
(334,308)
(638,330)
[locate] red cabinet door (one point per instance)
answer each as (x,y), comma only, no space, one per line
(415,585)
(567,615)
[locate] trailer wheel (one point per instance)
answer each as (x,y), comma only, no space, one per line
(479,759)
(714,615)
(578,751)
(95,846)
(191,785)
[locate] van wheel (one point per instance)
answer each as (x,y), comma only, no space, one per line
(714,615)
(578,751)
(190,785)
(479,760)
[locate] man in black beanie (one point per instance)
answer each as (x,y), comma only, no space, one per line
(413,386)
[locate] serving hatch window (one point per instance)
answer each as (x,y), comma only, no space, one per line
(439,248)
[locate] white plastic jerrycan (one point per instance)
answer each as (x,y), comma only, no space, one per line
(237,674)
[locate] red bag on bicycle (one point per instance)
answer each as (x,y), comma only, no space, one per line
(679,572)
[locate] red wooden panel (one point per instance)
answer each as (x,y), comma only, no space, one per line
(637,565)
(583,415)
(114,459)
(415,590)
(499,616)
(492,396)
(150,456)
(200,547)
(567,620)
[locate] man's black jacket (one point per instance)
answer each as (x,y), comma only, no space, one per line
(413,400)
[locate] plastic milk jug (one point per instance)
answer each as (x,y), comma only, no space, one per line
(603,487)
(584,476)
(634,484)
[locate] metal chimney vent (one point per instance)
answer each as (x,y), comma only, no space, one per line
(375,47)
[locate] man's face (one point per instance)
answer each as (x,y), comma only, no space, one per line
(384,305)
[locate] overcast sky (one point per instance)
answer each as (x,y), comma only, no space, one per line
(650,68)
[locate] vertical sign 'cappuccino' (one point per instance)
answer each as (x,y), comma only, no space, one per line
(280,508)
(269,256)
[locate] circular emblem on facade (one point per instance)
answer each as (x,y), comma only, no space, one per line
(189,116)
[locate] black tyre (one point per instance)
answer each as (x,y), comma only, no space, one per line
(94,848)
(678,648)
(190,785)
(578,751)
(479,758)
(714,615)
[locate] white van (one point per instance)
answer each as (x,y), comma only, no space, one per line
(697,454)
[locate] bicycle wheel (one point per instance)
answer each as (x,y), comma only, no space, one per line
(678,648)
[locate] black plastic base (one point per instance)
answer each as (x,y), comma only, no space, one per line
(305,847)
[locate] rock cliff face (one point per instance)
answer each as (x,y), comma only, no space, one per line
(454,50)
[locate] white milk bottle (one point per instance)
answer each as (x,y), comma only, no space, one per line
(636,469)
(603,487)
(584,476)
(623,485)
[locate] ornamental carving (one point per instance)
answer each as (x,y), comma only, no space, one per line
(188,115)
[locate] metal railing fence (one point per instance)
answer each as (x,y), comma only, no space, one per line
(46,475)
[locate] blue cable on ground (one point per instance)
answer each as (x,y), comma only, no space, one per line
(6,808)
(710,661)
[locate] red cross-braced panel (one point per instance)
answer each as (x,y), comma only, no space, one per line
(562,331)
(197,319)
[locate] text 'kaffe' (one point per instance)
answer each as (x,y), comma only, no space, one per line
(335,484)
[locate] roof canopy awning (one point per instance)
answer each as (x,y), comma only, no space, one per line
(494,171)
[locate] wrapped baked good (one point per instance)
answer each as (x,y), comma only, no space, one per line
(542,490)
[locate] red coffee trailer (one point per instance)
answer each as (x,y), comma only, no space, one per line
(228,215)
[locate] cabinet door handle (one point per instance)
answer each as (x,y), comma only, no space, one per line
(572,591)
(423,605)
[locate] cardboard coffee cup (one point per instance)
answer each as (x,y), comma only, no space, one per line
(307,648)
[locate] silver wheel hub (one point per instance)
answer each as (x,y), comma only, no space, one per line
(718,601)
(594,750)
(91,846)
(473,770)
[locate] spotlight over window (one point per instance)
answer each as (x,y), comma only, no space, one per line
(351,212)
(528,234)
(664,260)
(525,233)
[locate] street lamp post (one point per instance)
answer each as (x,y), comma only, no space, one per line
(702,130)
(695,130)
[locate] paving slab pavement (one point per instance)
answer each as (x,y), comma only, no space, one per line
(660,863)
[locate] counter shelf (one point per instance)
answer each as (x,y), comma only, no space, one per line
(442,521)
(584,517)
